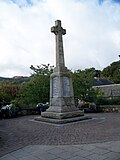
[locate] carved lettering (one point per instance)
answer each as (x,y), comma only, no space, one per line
(55,87)
(66,87)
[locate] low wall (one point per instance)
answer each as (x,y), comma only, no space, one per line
(110,108)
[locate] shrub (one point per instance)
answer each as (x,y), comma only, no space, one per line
(104,101)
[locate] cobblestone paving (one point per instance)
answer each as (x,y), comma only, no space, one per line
(19,132)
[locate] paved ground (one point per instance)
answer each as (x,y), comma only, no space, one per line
(97,151)
(79,140)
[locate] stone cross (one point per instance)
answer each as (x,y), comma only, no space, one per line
(59,31)
(62,104)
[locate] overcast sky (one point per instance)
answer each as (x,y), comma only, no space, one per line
(92,38)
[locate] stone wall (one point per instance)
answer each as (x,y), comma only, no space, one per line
(109,91)
(110,108)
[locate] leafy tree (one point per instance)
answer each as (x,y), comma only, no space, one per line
(112,72)
(8,91)
(42,69)
(37,90)
(82,83)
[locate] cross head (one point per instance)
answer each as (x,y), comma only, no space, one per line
(57,29)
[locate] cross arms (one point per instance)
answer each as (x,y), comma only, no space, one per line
(58,29)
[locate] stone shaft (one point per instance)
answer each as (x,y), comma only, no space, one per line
(59,31)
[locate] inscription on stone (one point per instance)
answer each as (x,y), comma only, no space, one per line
(55,87)
(66,87)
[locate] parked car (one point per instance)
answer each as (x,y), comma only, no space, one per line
(88,107)
(42,107)
(9,111)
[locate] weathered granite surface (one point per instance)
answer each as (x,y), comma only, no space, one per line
(59,120)
(62,104)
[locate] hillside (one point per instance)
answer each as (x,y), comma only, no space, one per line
(16,79)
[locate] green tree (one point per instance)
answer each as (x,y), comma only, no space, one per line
(8,91)
(82,83)
(37,89)
(42,69)
(112,72)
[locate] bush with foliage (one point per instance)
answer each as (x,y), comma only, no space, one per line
(37,89)
(28,94)
(82,84)
(8,92)
(104,101)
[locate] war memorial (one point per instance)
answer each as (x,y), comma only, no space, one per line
(62,105)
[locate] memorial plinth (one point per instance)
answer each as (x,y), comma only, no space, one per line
(62,105)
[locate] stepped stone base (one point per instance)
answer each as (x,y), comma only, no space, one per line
(62,121)
(62,115)
(62,118)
